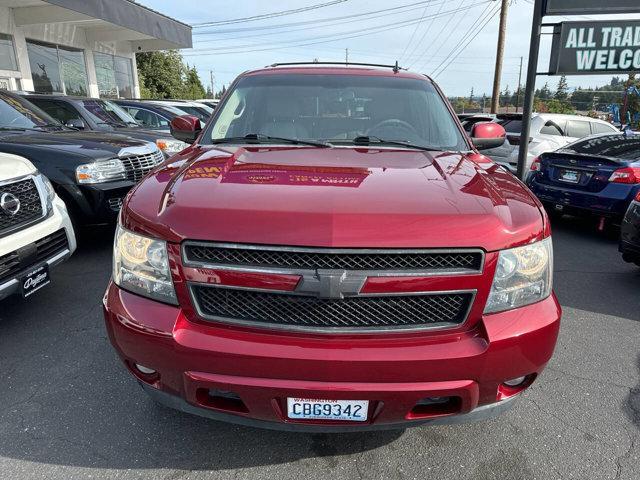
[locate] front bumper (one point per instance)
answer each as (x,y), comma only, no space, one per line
(57,220)
(98,203)
(393,371)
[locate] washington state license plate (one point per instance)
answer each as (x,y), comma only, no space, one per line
(311,409)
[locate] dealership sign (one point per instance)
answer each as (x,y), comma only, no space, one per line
(580,7)
(584,48)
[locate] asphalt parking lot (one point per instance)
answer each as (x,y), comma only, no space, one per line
(69,410)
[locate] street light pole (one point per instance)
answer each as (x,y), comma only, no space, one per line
(530,88)
(502,34)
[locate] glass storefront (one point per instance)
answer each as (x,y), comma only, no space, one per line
(115,75)
(56,68)
(7,53)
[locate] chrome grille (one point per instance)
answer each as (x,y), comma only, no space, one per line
(30,204)
(346,259)
(115,204)
(278,310)
(137,166)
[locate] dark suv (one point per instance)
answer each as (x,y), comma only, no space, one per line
(84,113)
(90,171)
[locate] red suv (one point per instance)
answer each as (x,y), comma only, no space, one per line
(333,253)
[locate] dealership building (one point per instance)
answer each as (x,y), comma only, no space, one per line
(81,47)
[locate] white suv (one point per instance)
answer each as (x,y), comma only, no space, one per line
(549,132)
(35,230)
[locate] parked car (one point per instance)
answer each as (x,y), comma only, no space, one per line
(630,233)
(499,154)
(84,113)
(198,109)
(210,102)
(150,115)
(90,171)
(549,132)
(319,266)
(35,230)
(599,175)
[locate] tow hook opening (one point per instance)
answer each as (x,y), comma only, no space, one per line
(144,373)
(435,407)
(514,386)
(221,400)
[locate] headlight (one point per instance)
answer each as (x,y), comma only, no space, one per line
(523,276)
(101,171)
(47,190)
(141,265)
(169,146)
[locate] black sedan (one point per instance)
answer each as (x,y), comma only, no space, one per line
(630,233)
(96,114)
(90,171)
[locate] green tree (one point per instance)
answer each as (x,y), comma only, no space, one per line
(545,92)
(163,73)
(192,86)
(558,106)
(562,92)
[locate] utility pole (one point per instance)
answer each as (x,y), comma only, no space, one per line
(519,86)
(502,34)
(346,56)
(213,84)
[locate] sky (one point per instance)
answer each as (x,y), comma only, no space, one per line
(421,35)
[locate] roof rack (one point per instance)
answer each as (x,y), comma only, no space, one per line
(395,67)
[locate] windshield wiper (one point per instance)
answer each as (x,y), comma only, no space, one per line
(113,124)
(31,129)
(260,138)
(368,140)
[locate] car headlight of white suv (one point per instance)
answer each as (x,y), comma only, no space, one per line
(141,265)
(523,276)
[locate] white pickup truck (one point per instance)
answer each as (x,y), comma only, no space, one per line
(35,230)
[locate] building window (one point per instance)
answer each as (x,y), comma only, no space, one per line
(115,75)
(56,68)
(7,53)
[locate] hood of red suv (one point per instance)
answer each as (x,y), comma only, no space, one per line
(335,197)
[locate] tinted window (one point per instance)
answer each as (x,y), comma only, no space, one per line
(602,128)
(617,145)
(551,128)
(578,129)
(61,111)
(338,108)
(17,112)
(512,125)
(147,118)
(106,112)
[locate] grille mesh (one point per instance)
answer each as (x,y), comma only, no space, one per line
(137,166)
(388,260)
(14,262)
(30,205)
(273,309)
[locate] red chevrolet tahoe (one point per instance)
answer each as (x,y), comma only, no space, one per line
(333,253)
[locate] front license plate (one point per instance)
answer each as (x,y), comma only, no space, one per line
(310,409)
(35,279)
(570,176)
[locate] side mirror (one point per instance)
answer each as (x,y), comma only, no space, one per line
(185,128)
(76,123)
(488,135)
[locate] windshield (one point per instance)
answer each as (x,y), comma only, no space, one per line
(16,112)
(616,145)
(199,112)
(337,109)
(104,111)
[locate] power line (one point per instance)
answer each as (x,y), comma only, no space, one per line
(347,20)
(424,34)
(488,15)
(264,16)
(439,35)
(408,6)
(413,34)
(321,39)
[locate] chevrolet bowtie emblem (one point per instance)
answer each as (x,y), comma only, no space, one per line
(334,284)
